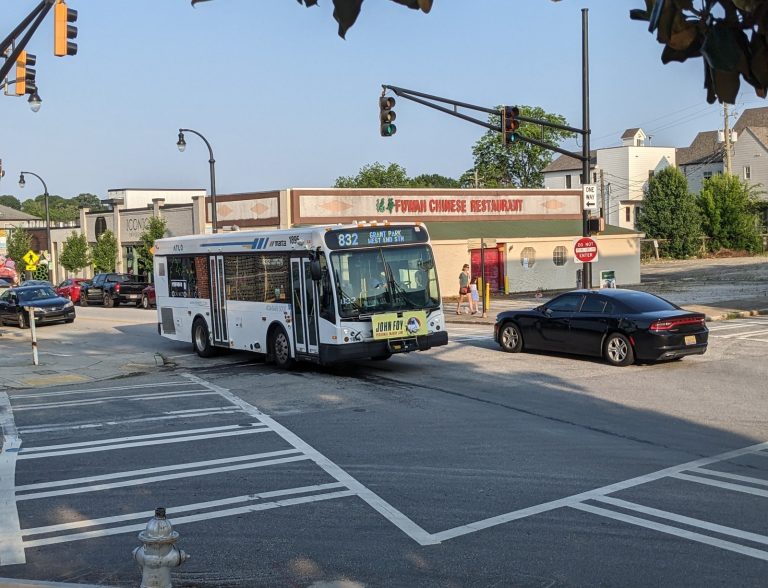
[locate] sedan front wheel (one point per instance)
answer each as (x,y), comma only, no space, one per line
(618,350)
(510,338)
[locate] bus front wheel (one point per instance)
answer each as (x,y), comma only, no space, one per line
(201,340)
(280,349)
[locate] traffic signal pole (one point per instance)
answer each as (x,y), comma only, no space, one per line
(40,11)
(586,272)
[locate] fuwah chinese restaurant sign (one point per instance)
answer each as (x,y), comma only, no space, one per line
(346,205)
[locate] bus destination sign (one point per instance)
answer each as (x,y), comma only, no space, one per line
(374,237)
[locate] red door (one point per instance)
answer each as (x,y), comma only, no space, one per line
(494,268)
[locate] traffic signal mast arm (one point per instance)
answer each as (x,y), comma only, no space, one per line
(40,12)
(422,98)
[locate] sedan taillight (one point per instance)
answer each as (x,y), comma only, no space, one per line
(117,288)
(669,324)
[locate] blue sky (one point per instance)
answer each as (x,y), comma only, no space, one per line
(285,102)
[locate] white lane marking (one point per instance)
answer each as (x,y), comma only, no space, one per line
(724,485)
(157,470)
(692,536)
(723,530)
(746,334)
(67,403)
(177,510)
(591,494)
(388,511)
(748,479)
(167,415)
(110,389)
(735,325)
(143,444)
(11,547)
(178,521)
(161,478)
(114,440)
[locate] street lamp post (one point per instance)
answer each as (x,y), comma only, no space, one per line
(23,183)
(182,144)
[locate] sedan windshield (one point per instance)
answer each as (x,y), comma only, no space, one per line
(382,280)
(32,294)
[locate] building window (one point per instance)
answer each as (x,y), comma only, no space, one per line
(559,255)
(594,177)
(747,172)
(650,174)
(637,214)
(568,181)
(707,175)
(528,257)
(628,213)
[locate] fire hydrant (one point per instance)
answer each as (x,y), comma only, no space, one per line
(158,554)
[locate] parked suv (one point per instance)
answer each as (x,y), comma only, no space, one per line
(111,289)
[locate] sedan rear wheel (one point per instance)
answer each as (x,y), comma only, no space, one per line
(108,302)
(145,301)
(510,338)
(618,350)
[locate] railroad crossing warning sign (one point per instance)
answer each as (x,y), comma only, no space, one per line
(31,259)
(585,250)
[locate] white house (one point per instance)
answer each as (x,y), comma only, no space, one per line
(621,174)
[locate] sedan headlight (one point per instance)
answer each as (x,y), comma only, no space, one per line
(68,304)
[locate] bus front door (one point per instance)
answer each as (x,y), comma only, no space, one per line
(305,307)
(218,301)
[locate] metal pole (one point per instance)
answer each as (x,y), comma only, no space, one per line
(33,332)
(587,271)
(212,163)
(482,274)
(47,220)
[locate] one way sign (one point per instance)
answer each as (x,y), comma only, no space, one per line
(590,196)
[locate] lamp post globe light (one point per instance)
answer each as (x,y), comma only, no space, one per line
(182,145)
(34,101)
(22,183)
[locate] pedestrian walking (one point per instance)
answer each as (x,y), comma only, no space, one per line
(464,289)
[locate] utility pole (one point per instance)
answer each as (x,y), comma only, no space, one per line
(586,277)
(603,204)
(727,139)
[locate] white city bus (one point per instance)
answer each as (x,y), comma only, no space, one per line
(324,294)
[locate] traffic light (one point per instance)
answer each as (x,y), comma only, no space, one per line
(509,124)
(25,74)
(63,31)
(387,116)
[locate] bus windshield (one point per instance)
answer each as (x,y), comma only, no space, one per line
(384,280)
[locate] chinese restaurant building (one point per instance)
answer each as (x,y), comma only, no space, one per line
(525,238)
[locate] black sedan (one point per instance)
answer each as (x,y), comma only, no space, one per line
(48,307)
(620,325)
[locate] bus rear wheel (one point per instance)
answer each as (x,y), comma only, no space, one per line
(201,340)
(280,349)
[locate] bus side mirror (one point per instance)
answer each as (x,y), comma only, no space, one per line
(315,270)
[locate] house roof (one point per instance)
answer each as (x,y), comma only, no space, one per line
(704,148)
(565,162)
(752,117)
(630,133)
(761,134)
(11,214)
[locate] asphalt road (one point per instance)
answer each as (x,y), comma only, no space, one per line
(462,466)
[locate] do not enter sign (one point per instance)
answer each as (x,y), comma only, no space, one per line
(585,250)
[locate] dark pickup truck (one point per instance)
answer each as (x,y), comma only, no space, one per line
(112,289)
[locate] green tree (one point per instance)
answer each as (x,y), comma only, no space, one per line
(520,164)
(59,208)
(10,201)
(74,254)
(433,181)
(19,242)
(729,214)
(87,200)
(104,253)
(669,213)
(376,175)
(154,230)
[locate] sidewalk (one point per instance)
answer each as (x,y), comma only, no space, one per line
(714,311)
